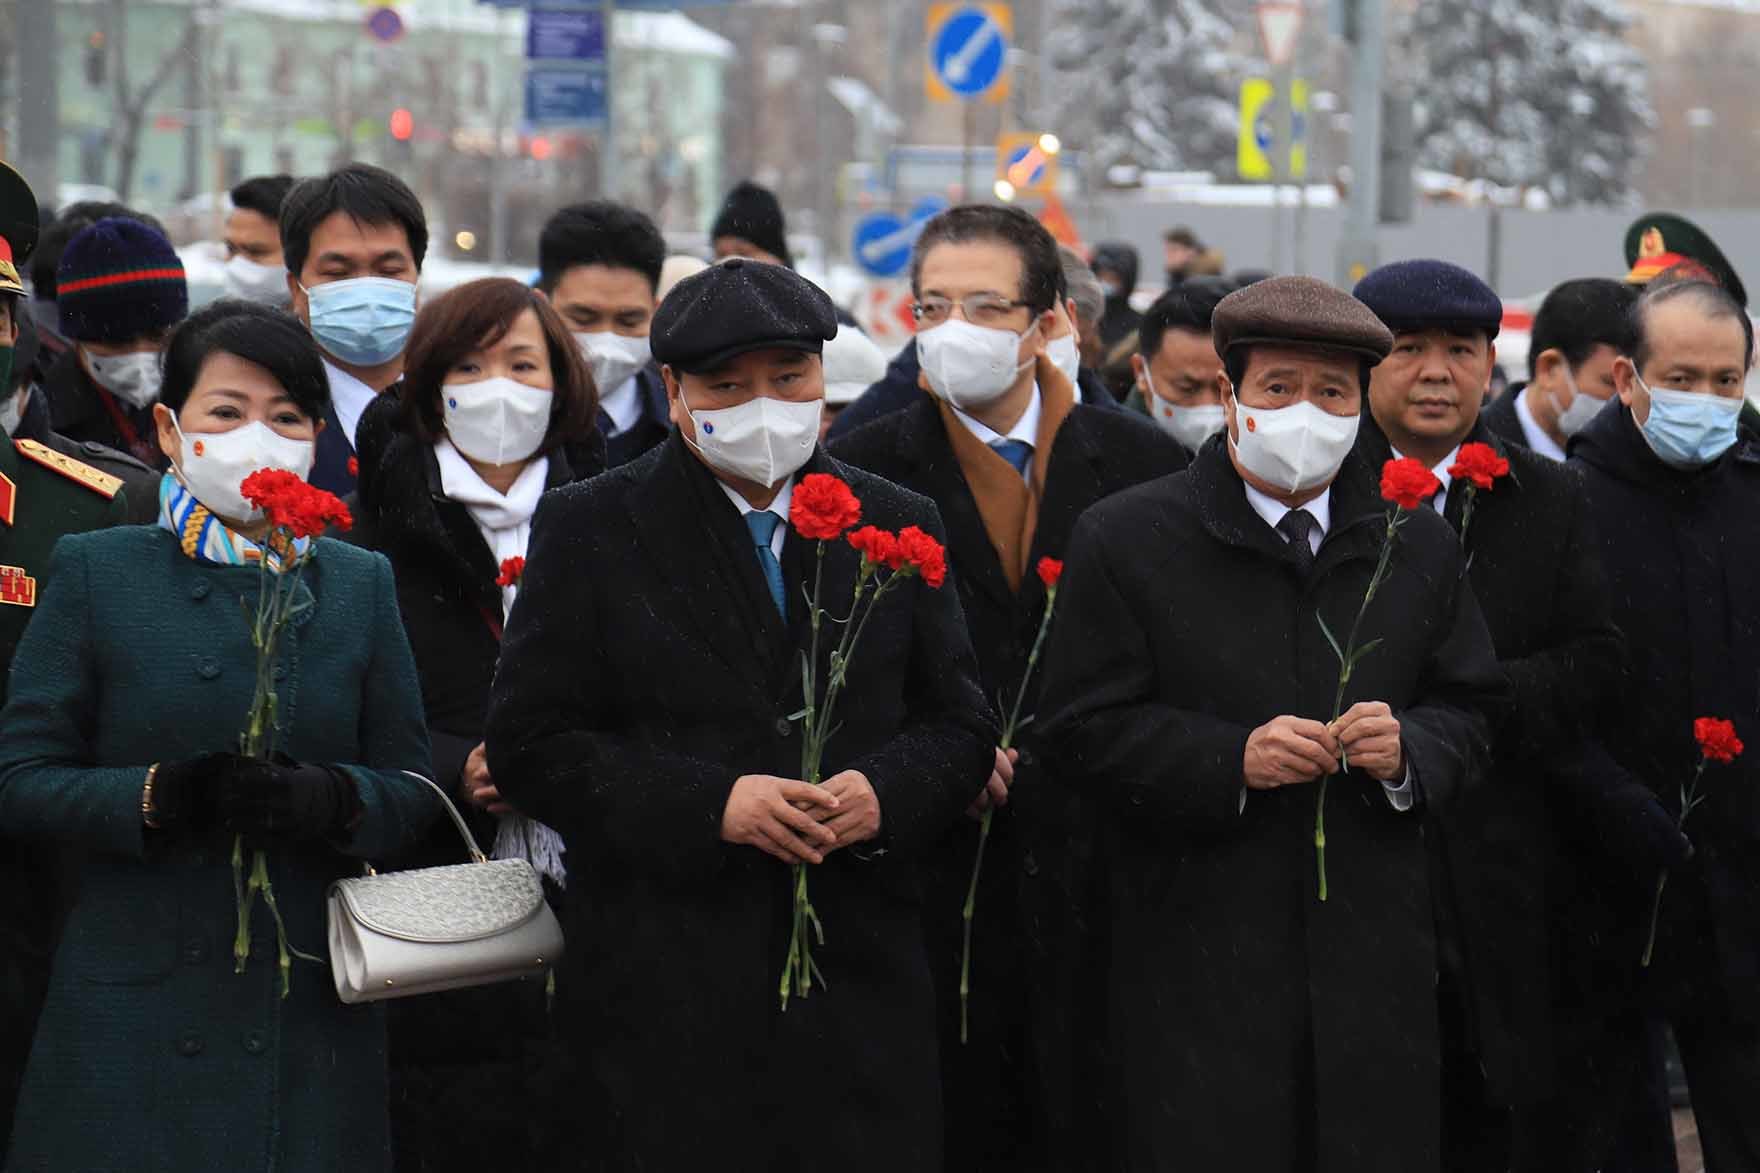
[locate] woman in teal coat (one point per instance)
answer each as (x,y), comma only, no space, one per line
(129,692)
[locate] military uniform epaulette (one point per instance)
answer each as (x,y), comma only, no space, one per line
(78,471)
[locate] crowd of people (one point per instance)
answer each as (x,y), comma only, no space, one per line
(1276,756)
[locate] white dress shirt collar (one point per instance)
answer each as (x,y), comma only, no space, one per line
(1536,436)
(1025,429)
(779,507)
(624,405)
(1274,511)
(350,397)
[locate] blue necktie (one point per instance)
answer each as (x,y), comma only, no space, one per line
(1017,452)
(763,526)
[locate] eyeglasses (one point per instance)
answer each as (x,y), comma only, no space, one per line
(980,309)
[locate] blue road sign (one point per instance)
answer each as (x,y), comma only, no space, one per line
(969,52)
(882,242)
(383,24)
(566,35)
(559,96)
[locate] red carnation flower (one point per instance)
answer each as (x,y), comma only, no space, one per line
(1050,570)
(1480,464)
(512,569)
(1717,739)
(291,504)
(354,466)
(923,554)
(1407,483)
(823,507)
(876,546)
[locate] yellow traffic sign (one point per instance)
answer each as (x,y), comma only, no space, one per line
(967,59)
(1253,144)
(1024,163)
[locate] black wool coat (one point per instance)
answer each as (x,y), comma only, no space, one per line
(645,669)
(1497,855)
(1683,568)
(1028,894)
(1255,1028)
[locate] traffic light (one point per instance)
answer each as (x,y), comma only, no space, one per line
(403,124)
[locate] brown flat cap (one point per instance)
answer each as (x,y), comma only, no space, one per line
(1298,311)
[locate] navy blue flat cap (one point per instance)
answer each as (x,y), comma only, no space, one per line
(736,307)
(1429,295)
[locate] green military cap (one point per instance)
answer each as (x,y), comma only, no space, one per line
(1659,241)
(1298,311)
(18,227)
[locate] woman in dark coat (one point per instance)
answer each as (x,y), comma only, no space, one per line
(129,690)
(495,407)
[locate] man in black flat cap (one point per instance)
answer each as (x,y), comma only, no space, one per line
(1190,689)
(644,706)
(1505,859)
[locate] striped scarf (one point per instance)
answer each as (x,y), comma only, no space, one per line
(205,538)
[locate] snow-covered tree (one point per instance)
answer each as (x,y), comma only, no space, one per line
(1530,93)
(1150,82)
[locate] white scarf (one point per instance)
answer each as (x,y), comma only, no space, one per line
(505,521)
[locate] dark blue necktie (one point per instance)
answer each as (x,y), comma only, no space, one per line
(763,526)
(1017,452)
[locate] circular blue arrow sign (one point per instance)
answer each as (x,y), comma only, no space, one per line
(969,52)
(385,25)
(882,244)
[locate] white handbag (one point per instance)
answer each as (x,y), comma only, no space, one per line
(419,932)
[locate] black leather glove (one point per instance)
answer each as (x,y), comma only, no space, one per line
(284,799)
(183,791)
(1639,829)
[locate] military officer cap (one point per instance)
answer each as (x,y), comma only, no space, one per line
(1659,241)
(18,228)
(1430,295)
(1298,311)
(736,307)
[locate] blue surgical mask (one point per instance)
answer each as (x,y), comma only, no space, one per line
(364,320)
(1689,429)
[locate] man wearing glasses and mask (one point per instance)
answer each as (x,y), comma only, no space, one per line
(1003,448)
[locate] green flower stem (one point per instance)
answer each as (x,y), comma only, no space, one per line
(1009,729)
(276,595)
(1347,662)
(1689,800)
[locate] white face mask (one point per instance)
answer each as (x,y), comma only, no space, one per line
(12,411)
(252,281)
(1191,426)
(970,366)
(214,465)
(1064,356)
(496,421)
(1294,448)
(612,357)
(762,441)
(133,378)
(1583,408)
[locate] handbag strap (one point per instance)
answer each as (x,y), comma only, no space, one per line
(464,830)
